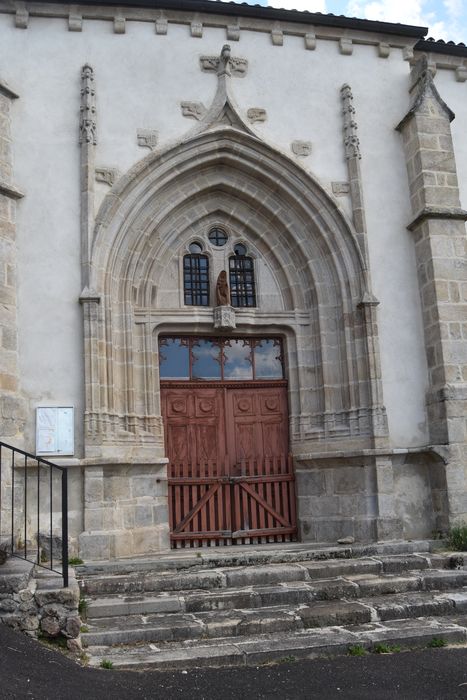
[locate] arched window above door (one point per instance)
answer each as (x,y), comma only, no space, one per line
(242,277)
(196,276)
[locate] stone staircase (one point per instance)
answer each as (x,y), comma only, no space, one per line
(248,606)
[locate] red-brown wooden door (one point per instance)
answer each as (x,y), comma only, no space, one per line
(230,476)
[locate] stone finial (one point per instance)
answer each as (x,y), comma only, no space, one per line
(351,140)
(87,121)
(421,86)
(225,64)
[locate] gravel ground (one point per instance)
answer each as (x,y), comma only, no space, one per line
(31,670)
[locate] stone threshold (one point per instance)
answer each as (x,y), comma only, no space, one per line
(244,555)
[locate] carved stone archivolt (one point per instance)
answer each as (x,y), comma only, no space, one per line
(132,268)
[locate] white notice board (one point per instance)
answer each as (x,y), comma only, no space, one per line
(55,430)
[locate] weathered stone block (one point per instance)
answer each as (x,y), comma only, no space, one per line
(349,480)
(143,515)
(310,483)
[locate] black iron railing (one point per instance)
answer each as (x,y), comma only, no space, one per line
(34,509)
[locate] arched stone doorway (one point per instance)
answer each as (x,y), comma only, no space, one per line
(312,291)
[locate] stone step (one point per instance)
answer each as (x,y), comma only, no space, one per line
(351,586)
(250,555)
(261,649)
(225,577)
(236,623)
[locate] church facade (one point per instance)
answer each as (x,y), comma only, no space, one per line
(234,276)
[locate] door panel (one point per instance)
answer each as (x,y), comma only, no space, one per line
(230,479)
(195,416)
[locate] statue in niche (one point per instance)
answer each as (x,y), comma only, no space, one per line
(222,290)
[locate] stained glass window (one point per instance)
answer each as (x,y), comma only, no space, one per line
(230,359)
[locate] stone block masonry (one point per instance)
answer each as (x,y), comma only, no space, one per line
(440,247)
(12,411)
(33,601)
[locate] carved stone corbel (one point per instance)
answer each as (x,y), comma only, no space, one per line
(194,110)
(256,114)
(107,175)
(147,138)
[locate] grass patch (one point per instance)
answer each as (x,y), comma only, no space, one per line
(84,628)
(105,663)
(386,649)
(457,538)
(286,660)
(84,658)
(83,608)
(75,561)
(437,643)
(357,650)
(53,642)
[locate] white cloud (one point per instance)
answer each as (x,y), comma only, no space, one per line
(302,5)
(403,11)
(454,8)
(416,12)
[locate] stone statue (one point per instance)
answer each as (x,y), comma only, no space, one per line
(222,290)
(224,61)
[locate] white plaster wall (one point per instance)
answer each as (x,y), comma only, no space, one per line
(141,78)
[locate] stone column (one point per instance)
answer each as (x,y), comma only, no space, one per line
(12,406)
(441,247)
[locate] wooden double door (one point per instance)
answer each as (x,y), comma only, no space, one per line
(230,476)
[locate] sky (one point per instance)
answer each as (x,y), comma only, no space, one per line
(446,19)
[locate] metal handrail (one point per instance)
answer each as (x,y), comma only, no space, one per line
(29,466)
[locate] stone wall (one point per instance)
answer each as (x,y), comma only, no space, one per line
(441,250)
(33,601)
(372,498)
(125,511)
(12,408)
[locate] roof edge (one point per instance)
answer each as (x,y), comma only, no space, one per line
(440,46)
(245,10)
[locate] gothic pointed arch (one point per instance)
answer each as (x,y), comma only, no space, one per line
(312,283)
